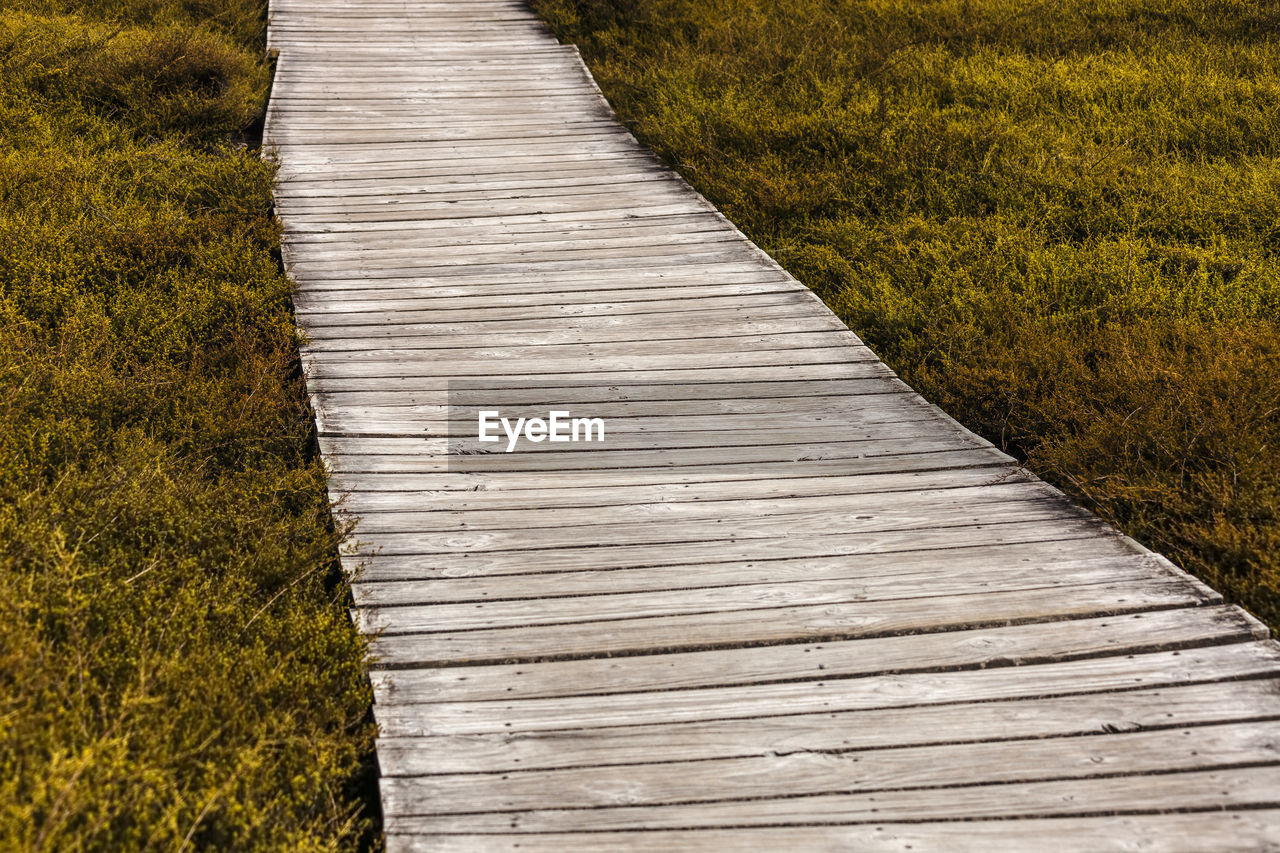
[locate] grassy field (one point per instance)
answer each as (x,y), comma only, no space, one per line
(177,666)
(1058,220)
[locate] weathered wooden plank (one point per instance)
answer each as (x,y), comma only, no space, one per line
(484,141)
(429,421)
(648,432)
(1207,790)
(396,415)
(643,192)
(434,584)
(1092,675)
(645,431)
(703,408)
(407,208)
(674,324)
(532,199)
(456,363)
(459,39)
(921,463)
(299,190)
(303,228)
(463,173)
(533,515)
(778,624)
(515,494)
(431,301)
(335,291)
(1195,832)
(699,450)
(431,587)
(358,420)
(655,355)
(370,146)
(632,433)
(526,392)
(700,587)
(296,77)
(515,263)
(387,564)
(637,376)
(604,607)
(637,274)
(1001,719)
(563,162)
(391,254)
(517,231)
(806,773)
(420,106)
(868,400)
(697,525)
(389,142)
(1016,645)
(759,333)
(478,140)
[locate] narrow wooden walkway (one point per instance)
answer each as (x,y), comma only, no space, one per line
(794,606)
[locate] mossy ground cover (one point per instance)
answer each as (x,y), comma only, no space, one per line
(176,665)
(1058,220)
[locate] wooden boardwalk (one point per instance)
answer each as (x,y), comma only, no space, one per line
(791,606)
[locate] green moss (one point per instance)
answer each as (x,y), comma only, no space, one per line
(1057,220)
(176,659)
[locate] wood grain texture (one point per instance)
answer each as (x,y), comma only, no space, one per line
(1196,832)
(812,773)
(588,711)
(1073,714)
(789,604)
(1235,788)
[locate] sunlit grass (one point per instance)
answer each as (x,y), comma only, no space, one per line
(176,659)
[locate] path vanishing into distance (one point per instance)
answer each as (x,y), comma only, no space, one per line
(786,604)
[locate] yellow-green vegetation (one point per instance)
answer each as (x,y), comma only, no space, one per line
(176,665)
(1059,220)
